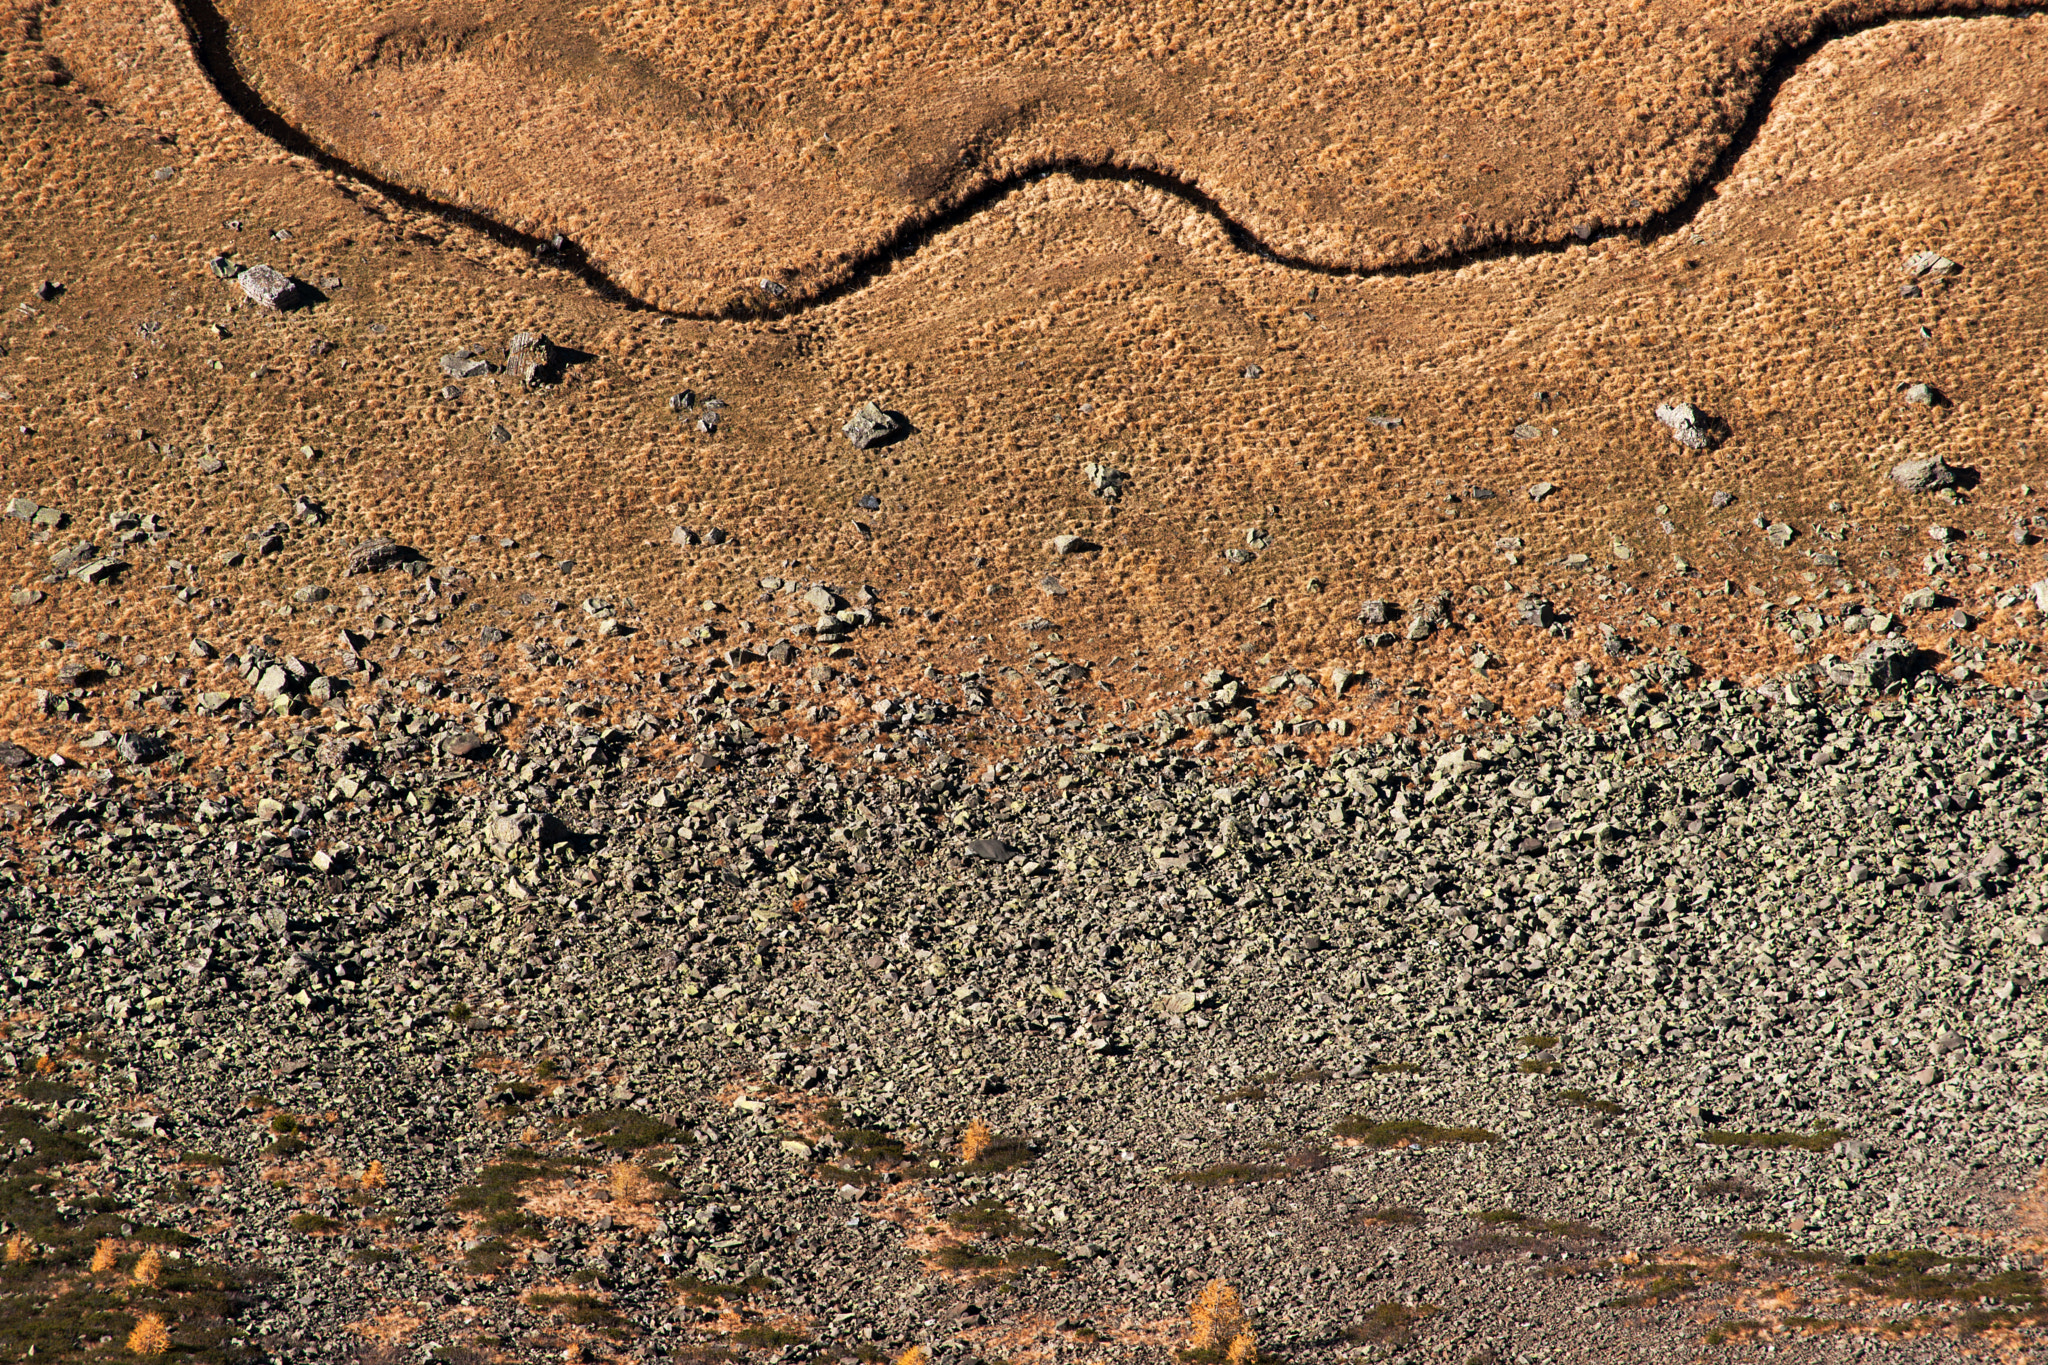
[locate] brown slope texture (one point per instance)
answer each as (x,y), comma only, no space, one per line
(1069,322)
(712,157)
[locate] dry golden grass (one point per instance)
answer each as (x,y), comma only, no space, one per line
(1776,306)
(975,1141)
(1217,1318)
(699,149)
(373,1177)
(149,1267)
(105,1256)
(19,1249)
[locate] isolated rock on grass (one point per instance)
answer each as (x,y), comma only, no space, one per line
(1690,427)
(268,287)
(1924,476)
(870,426)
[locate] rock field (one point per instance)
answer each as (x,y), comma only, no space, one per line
(1704,1017)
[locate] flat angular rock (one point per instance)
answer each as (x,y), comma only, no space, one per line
(1930,263)
(464,364)
(1924,476)
(474,748)
(530,358)
(268,287)
(377,554)
(1376,612)
(14,757)
(100,570)
(991,850)
(526,830)
(1689,426)
(870,426)
(140,747)
(1884,663)
(1920,394)
(1073,545)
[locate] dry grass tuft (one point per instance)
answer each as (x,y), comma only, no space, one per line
(1218,1318)
(151,1336)
(632,1185)
(149,1269)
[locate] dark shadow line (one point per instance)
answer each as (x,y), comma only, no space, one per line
(211,47)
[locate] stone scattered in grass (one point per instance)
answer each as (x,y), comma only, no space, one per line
(1732,1329)
(493,1256)
(706,1293)
(1736,1191)
(1927,1276)
(769,1338)
(1393,1215)
(496,1193)
(1372,1132)
(1819,1141)
(1581,1099)
(981,1261)
(313,1223)
(987,1218)
(625,1130)
(583,1310)
(1568,1228)
(1229,1173)
(1390,1325)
